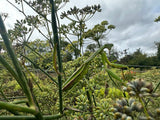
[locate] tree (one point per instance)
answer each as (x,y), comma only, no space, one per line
(66,53)
(158,43)
(158,50)
(73,50)
(113,55)
(67,56)
(136,58)
(157,19)
(125,60)
(39,51)
(91,47)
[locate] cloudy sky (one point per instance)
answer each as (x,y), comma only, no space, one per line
(134,21)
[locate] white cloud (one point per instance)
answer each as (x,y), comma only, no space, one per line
(134,21)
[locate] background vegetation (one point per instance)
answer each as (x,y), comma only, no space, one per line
(55,78)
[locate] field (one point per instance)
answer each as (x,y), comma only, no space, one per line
(54,78)
(96,95)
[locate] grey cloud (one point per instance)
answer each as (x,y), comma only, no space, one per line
(134,21)
(138,37)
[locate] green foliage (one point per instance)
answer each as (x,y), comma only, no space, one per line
(116,93)
(91,47)
(157,19)
(139,58)
(102,110)
(158,50)
(129,75)
(141,89)
(86,88)
(98,32)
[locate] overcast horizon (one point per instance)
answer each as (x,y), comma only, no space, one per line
(134,21)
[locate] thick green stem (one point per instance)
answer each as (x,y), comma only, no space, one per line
(81,39)
(19,102)
(4,96)
(46,117)
(21,79)
(94,100)
(145,110)
(8,67)
(90,103)
(13,107)
(153,92)
(17,108)
(56,43)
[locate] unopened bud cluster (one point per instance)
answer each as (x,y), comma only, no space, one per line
(123,109)
(140,88)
